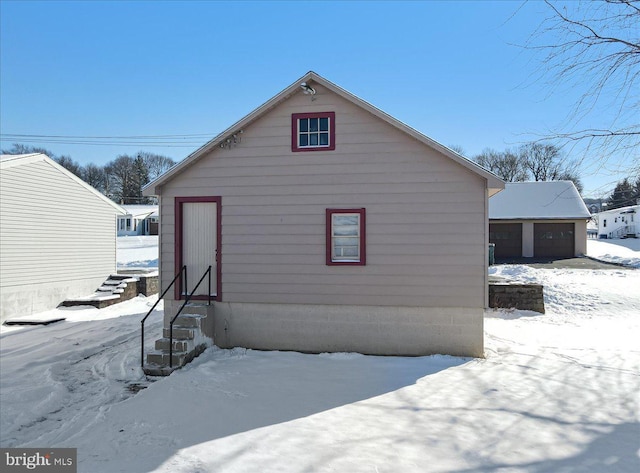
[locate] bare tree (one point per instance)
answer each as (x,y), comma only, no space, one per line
(542,160)
(545,162)
(18,148)
(70,165)
(594,47)
(156,164)
(95,176)
(507,165)
(121,174)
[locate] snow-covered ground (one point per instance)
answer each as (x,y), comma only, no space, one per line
(622,251)
(137,252)
(558,392)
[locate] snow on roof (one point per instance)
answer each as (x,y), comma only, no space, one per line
(622,210)
(139,210)
(539,200)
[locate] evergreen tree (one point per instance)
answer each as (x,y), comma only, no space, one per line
(623,195)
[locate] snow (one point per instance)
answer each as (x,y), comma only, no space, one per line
(140,210)
(556,393)
(625,252)
(530,200)
(137,252)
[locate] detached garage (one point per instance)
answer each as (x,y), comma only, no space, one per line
(538,219)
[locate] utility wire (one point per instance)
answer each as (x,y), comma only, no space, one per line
(174,141)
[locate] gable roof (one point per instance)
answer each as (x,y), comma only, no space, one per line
(630,209)
(140,210)
(494,183)
(8,161)
(538,200)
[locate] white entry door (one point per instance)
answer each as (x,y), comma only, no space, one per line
(199,244)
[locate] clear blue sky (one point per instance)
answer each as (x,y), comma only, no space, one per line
(452,70)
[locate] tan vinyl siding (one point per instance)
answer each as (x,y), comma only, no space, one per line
(52,229)
(425,227)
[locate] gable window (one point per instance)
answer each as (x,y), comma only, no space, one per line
(313,131)
(346,237)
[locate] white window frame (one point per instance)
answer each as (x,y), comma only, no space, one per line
(333,258)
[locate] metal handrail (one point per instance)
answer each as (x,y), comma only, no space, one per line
(182,270)
(186,301)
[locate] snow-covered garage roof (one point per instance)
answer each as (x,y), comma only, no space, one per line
(538,200)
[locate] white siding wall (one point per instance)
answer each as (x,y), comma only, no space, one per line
(57,238)
(426,216)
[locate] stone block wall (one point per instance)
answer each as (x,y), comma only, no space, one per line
(147,285)
(517,296)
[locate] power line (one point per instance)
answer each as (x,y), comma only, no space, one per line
(172,141)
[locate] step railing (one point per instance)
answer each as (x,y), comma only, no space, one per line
(182,271)
(186,301)
(622,232)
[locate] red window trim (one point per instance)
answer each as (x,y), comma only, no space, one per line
(178,293)
(363,237)
(332,131)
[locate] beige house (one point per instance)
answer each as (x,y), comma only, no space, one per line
(57,235)
(330,226)
(538,219)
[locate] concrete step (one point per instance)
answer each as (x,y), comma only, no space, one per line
(124,277)
(178,345)
(189,320)
(161,358)
(158,370)
(180,333)
(105,289)
(112,282)
(158,361)
(199,308)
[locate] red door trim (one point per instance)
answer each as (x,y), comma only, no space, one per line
(178,244)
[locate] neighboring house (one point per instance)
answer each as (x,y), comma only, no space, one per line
(538,219)
(619,223)
(139,220)
(330,226)
(57,235)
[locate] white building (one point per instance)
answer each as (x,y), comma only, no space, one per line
(139,220)
(619,223)
(57,235)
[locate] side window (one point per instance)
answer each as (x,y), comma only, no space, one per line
(346,237)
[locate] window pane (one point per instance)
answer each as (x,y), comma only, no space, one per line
(350,251)
(304,140)
(345,219)
(324,124)
(345,230)
(313,124)
(304,124)
(324,139)
(313,139)
(346,241)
